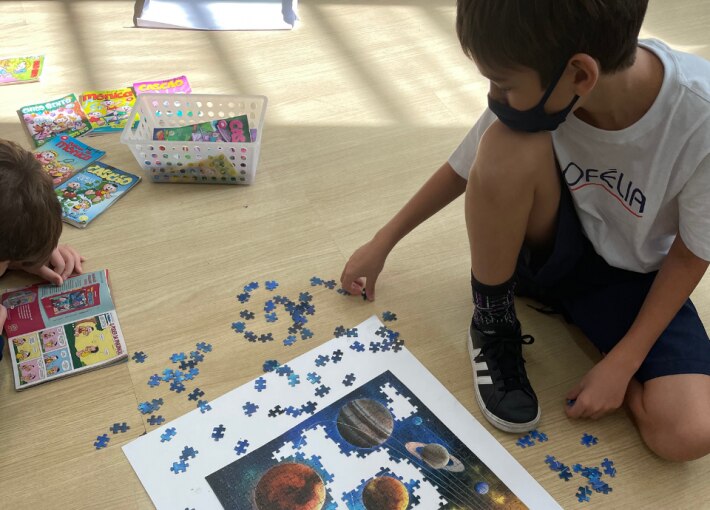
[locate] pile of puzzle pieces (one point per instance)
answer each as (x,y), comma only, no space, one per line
(593,475)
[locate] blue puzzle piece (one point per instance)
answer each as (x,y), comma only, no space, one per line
(244,297)
(203,406)
(322,361)
(247,315)
(139,356)
(389,316)
(239,327)
(269,306)
(306,334)
(179,467)
(168,435)
(588,440)
(315,281)
(156,420)
(609,468)
(250,408)
(195,394)
(294,380)
(242,447)
(197,356)
(583,494)
(218,432)
(349,380)
(101,441)
(525,441)
(119,427)
(357,346)
(154,381)
(322,390)
(290,340)
(565,474)
(260,384)
(271,284)
(538,436)
(271,317)
(203,346)
(175,358)
(313,378)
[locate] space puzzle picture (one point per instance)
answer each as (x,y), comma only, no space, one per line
(377,448)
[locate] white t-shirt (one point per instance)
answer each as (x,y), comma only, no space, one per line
(636,188)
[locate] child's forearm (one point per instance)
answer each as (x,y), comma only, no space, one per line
(439,191)
(679,275)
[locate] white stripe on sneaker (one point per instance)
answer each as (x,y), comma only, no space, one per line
(485,379)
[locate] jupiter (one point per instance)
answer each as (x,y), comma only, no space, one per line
(365,423)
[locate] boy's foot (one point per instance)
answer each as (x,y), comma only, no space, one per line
(502,388)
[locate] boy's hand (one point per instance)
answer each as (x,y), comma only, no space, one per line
(3,316)
(600,391)
(63,262)
(363,268)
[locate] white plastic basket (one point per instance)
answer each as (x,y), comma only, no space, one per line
(194,162)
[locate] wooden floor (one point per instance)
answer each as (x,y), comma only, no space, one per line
(366,100)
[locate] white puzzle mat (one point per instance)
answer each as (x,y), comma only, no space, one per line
(357,423)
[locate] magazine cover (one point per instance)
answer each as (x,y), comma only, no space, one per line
(20,69)
(91,191)
(54,331)
(177,85)
(107,110)
(233,129)
(45,120)
(63,156)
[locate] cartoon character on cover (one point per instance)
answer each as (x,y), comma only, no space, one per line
(49,359)
(59,171)
(111,109)
(86,351)
(71,190)
(103,193)
(28,373)
(46,157)
(21,67)
(52,370)
(97,118)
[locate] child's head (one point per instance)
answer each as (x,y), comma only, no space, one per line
(30,214)
(542,35)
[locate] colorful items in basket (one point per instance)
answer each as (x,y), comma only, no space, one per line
(233,129)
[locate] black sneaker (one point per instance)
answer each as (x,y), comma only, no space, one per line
(502,387)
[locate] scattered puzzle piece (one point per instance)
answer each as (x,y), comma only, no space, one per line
(241,447)
(588,440)
(101,441)
(250,408)
(119,427)
(583,494)
(139,356)
(203,346)
(177,357)
(179,467)
(389,316)
(349,380)
(609,468)
(168,435)
(188,453)
(525,441)
(271,285)
(156,420)
(260,384)
(218,432)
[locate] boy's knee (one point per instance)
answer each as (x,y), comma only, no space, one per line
(508,156)
(677,438)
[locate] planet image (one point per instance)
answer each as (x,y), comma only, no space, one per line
(385,493)
(290,487)
(481,488)
(435,456)
(365,423)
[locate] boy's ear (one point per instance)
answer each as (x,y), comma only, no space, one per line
(586,73)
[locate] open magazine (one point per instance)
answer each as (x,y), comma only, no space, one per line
(55,331)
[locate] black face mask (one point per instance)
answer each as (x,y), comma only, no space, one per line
(535,119)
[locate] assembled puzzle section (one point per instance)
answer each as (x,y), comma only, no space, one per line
(195,161)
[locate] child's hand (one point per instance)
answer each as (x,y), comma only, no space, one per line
(3,316)
(600,391)
(63,262)
(363,268)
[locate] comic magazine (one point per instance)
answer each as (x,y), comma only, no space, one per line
(45,120)
(177,85)
(63,156)
(56,331)
(233,129)
(91,191)
(20,69)
(107,110)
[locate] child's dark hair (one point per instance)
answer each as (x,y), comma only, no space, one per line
(543,34)
(30,214)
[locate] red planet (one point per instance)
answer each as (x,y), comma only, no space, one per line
(290,487)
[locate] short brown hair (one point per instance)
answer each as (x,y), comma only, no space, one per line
(543,34)
(30,214)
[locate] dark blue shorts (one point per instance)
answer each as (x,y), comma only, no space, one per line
(603,301)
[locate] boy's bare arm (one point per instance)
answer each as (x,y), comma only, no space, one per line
(365,265)
(605,385)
